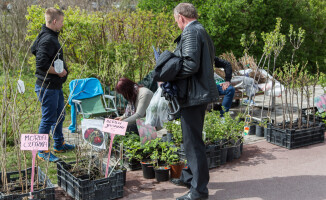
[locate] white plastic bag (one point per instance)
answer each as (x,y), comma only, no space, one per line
(246,83)
(157,111)
(267,88)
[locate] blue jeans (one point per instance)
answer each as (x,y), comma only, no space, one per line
(228,97)
(52,102)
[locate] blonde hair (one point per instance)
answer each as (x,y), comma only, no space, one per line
(52,14)
(186,9)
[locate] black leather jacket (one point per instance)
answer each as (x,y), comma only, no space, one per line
(196,76)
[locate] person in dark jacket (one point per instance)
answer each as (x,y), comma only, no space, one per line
(195,81)
(51,73)
(225,88)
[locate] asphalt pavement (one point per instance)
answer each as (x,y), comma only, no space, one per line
(264,171)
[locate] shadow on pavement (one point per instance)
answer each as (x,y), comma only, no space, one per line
(276,188)
(252,155)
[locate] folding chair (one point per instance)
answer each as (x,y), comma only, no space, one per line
(87,99)
(95,106)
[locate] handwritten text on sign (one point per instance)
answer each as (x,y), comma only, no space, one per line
(34,142)
(115,126)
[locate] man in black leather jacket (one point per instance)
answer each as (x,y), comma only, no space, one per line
(196,81)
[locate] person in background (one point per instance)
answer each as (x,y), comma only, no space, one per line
(138,98)
(48,87)
(224,86)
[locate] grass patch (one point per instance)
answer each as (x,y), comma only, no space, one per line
(13,165)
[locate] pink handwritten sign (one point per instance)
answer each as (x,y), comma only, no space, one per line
(115,126)
(34,142)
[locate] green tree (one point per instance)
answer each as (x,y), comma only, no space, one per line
(109,45)
(227,20)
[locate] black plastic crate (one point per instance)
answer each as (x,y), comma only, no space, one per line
(42,194)
(213,155)
(295,138)
(83,188)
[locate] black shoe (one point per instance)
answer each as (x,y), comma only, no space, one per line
(190,196)
(179,182)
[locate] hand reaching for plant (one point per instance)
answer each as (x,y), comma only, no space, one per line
(118,118)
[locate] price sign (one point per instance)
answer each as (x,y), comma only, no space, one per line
(34,142)
(115,127)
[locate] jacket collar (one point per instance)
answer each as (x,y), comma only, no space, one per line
(178,39)
(188,25)
(47,30)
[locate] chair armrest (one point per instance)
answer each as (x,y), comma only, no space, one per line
(109,97)
(76,101)
(112,98)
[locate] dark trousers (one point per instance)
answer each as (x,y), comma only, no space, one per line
(228,97)
(53,113)
(197,174)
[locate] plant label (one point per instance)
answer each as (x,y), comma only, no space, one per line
(21,86)
(34,142)
(246,130)
(115,126)
(58,66)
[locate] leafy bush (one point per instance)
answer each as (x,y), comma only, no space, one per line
(174,127)
(109,45)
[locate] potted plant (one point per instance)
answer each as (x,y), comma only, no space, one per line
(160,156)
(150,151)
(168,137)
(174,127)
(260,127)
(132,149)
(173,159)
(134,153)
(214,139)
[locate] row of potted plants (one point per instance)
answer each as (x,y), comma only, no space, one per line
(155,156)
(222,137)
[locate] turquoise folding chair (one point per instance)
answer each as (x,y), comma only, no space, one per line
(87,99)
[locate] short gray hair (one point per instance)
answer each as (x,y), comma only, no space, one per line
(186,9)
(52,13)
